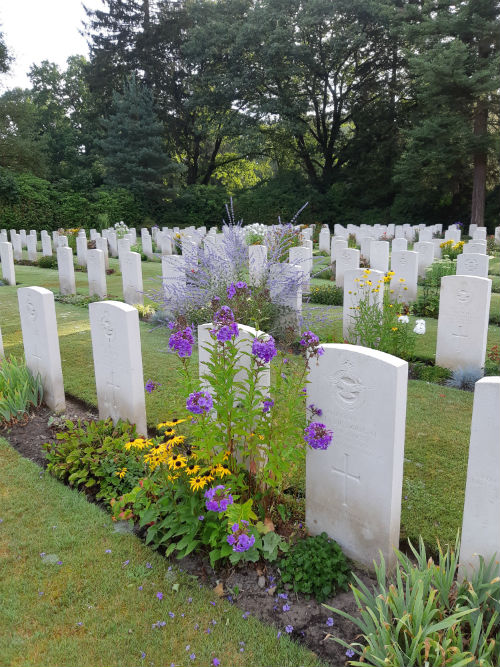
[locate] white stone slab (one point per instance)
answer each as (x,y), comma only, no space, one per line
(46,246)
(102,244)
(96,273)
(425,251)
(41,342)
(399,244)
(17,247)
(66,270)
(133,290)
(475,247)
(379,256)
(81,250)
(481,518)
(7,260)
(324,240)
(464,308)
(116,348)
(338,244)
(353,489)
(257,264)
(404,263)
(301,256)
(31,245)
(348,258)
(479,234)
(473,264)
(357,287)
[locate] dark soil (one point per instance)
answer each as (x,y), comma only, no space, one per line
(254,588)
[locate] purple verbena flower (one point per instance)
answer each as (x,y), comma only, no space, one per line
(267,405)
(218,500)
(318,436)
(199,402)
(265,350)
(151,385)
(182,342)
(240,540)
(226,332)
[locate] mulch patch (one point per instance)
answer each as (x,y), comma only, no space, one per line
(252,587)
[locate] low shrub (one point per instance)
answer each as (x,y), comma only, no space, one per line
(315,566)
(92,456)
(19,390)
(426,616)
(48,262)
(76,299)
(327,295)
(464,378)
(429,373)
(146,312)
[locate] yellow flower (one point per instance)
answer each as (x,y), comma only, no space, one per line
(401,280)
(222,469)
(172,478)
(192,469)
(368,282)
(177,461)
(138,443)
(171,423)
(197,483)
(405,288)
(121,473)
(394,329)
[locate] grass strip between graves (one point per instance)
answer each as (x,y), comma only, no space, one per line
(92,598)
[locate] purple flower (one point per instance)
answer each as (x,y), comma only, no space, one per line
(245,615)
(226,332)
(192,656)
(59,562)
(199,402)
(224,316)
(139,588)
(231,291)
(265,350)
(286,607)
(349,653)
(171,614)
(216,662)
(108,551)
(150,386)
(329,621)
(182,342)
(143,655)
(240,540)
(217,499)
(148,566)
(125,562)
(159,595)
(267,405)
(289,629)
(201,517)
(309,339)
(318,436)
(279,634)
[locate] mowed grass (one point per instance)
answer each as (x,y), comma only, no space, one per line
(80,606)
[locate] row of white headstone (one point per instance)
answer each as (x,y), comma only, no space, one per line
(353,489)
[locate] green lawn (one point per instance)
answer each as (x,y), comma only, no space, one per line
(80,606)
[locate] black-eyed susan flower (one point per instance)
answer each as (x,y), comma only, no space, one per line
(197,483)
(192,469)
(121,473)
(222,470)
(176,462)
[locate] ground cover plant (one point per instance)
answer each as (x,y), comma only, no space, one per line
(20,390)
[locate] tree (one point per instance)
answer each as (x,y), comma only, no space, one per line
(5,57)
(133,149)
(454,66)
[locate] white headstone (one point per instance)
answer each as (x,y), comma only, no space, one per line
(46,246)
(116,347)
(257,263)
(399,244)
(479,234)
(133,290)
(123,246)
(300,256)
(481,525)
(353,489)
(173,270)
(404,263)
(7,260)
(348,258)
(425,251)
(365,247)
(379,256)
(437,248)
(360,285)
(147,245)
(66,270)
(475,247)
(453,234)
(81,250)
(31,245)
(324,240)
(425,235)
(338,244)
(473,264)
(102,244)
(17,246)
(464,307)
(96,273)
(41,342)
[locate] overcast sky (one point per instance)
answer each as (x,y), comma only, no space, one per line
(37,30)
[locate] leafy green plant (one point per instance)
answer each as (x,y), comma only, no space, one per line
(315,566)
(427,303)
(146,311)
(48,262)
(429,373)
(426,617)
(76,299)
(19,390)
(92,455)
(328,295)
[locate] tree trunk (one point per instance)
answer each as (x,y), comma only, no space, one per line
(480,163)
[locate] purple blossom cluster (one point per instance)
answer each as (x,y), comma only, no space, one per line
(218,499)
(199,402)
(239,539)
(182,342)
(267,405)
(318,436)
(151,385)
(236,289)
(225,327)
(310,344)
(264,350)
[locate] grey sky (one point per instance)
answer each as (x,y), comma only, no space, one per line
(37,30)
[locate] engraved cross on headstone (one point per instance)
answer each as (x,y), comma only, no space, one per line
(346,475)
(110,384)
